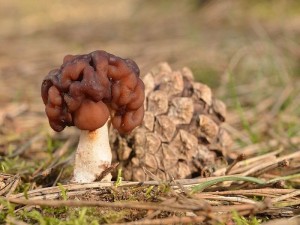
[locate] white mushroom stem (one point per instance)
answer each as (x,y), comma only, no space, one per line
(93,155)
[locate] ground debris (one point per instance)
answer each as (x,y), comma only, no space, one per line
(208,199)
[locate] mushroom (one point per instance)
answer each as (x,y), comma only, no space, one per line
(89,91)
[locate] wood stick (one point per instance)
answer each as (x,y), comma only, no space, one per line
(266,164)
(238,159)
(171,220)
(82,203)
(286,196)
(258,192)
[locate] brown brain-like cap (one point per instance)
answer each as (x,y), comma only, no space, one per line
(87,89)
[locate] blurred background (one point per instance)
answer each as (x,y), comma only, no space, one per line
(247,51)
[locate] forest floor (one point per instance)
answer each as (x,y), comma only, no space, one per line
(247,52)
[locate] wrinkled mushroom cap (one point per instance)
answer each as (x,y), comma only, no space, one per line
(87,89)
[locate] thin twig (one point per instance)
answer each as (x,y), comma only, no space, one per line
(248,163)
(107,171)
(229,199)
(238,159)
(241,207)
(171,220)
(252,192)
(283,163)
(266,164)
(14,186)
(286,196)
(82,203)
(10,182)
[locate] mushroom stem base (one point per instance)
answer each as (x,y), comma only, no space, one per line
(93,156)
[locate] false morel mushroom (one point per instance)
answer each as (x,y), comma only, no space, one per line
(87,91)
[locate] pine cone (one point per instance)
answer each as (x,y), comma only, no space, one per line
(181,132)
